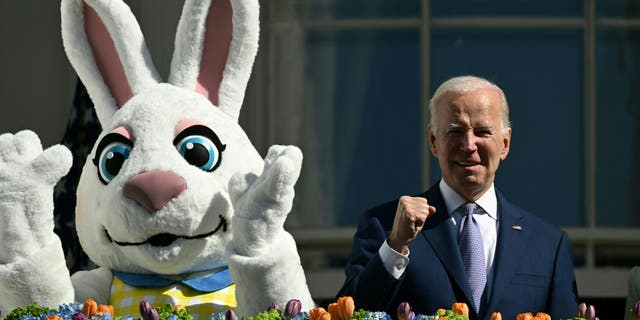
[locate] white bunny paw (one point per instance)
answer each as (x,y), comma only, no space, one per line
(27,177)
(263,202)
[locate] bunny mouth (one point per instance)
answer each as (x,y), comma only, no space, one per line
(165,239)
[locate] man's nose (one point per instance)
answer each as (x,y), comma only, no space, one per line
(469,142)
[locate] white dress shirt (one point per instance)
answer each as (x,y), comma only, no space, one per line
(395,262)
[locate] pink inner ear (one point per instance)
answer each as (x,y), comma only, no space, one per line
(217,40)
(106,56)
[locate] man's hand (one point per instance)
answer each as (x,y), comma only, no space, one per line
(411,214)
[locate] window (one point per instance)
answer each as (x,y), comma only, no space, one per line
(348,81)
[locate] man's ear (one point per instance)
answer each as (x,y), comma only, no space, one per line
(432,142)
(506,143)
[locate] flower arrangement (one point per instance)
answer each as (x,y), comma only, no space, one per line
(635,311)
(343,309)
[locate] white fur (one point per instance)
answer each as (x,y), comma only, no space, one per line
(32,265)
(128,40)
(244,46)
(262,256)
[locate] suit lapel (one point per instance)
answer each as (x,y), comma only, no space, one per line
(508,248)
(441,234)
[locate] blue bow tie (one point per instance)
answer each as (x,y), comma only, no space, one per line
(209,283)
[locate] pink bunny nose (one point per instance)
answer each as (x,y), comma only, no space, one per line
(154,189)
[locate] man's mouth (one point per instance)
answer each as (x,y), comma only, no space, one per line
(467,163)
(165,239)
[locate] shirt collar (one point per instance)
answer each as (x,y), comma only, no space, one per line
(452,200)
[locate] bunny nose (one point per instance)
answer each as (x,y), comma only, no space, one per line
(154,189)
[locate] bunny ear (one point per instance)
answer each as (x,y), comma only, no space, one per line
(104,44)
(216,44)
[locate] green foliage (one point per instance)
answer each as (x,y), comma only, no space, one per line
(34,310)
(450,315)
(359,314)
(267,315)
(167,311)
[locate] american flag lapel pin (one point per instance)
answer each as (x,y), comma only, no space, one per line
(517,228)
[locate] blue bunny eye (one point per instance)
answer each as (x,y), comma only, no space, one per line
(200,147)
(199,151)
(111,160)
(111,154)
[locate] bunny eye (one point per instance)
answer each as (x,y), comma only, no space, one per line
(111,154)
(200,147)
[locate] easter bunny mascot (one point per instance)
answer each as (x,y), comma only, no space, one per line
(173,200)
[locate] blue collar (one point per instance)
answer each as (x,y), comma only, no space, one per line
(209,283)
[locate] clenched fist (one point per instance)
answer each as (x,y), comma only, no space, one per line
(411,214)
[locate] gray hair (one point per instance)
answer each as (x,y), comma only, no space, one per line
(464,84)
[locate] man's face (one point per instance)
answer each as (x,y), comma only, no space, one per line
(469,142)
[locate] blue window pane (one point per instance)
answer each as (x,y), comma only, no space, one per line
(618,8)
(351,101)
(540,71)
(544,8)
(307,10)
(376,153)
(618,128)
(360,127)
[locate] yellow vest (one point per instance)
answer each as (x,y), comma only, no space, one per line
(126,299)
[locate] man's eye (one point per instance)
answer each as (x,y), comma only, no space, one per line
(455,132)
(483,133)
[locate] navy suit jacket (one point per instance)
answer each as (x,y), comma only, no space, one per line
(533,268)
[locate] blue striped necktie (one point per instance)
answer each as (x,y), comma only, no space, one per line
(472,251)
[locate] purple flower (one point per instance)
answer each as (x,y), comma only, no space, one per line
(582,310)
(274,306)
(78,316)
(587,311)
(148,312)
(230,315)
(292,308)
(636,310)
(404,311)
(591,313)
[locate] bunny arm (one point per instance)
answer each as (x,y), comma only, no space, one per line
(93,284)
(263,258)
(275,276)
(42,277)
(32,264)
